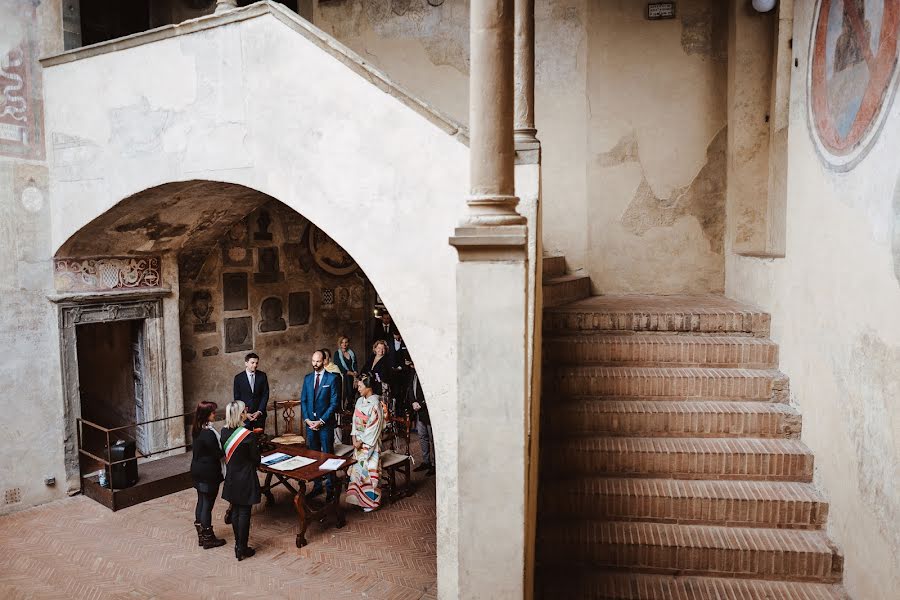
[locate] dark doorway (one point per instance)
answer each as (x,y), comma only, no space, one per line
(111,359)
(103,20)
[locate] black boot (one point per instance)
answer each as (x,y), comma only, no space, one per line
(210,540)
(199,534)
(228,515)
(238,553)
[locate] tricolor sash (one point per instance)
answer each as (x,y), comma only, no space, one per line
(236,437)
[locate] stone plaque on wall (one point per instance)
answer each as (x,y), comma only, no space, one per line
(234,290)
(272,311)
(202,308)
(268,266)
(238,334)
(108,273)
(298,308)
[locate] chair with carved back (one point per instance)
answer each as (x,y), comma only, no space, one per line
(395,456)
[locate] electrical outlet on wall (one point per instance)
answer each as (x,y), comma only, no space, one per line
(12,495)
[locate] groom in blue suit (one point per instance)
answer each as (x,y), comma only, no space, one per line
(319,401)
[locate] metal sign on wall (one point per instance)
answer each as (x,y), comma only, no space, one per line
(660,10)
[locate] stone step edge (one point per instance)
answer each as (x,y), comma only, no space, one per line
(588,584)
(787,418)
(577,490)
(733,544)
(752,322)
(565,398)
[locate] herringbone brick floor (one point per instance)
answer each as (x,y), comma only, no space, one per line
(76,549)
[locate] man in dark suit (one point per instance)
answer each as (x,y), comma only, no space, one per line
(319,402)
(251,386)
(399,363)
(384,330)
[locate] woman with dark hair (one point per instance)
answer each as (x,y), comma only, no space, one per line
(368,423)
(206,471)
(241,482)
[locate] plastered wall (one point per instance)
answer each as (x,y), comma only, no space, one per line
(631,115)
(28,321)
(834,302)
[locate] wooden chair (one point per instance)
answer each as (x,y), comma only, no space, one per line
(395,457)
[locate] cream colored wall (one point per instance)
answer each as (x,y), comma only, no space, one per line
(656,147)
(29,334)
(259,103)
(426,48)
(834,302)
(630,113)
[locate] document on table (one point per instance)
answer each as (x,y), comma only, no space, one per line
(296,462)
(331,464)
(275,458)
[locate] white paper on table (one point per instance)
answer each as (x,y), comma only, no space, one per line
(332,464)
(293,463)
(274,458)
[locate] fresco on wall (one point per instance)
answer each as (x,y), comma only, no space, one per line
(852,76)
(21,103)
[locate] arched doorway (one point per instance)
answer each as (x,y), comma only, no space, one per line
(184,279)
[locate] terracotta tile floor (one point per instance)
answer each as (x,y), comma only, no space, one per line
(77,549)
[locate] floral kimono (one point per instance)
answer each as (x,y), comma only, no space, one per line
(368,422)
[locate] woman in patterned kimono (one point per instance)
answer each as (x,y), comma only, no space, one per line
(368,422)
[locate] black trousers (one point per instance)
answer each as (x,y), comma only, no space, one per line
(205,503)
(240,522)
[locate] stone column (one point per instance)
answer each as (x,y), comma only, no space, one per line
(223,5)
(524,73)
(492,152)
(491,294)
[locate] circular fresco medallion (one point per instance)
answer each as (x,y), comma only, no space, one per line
(852,76)
(328,255)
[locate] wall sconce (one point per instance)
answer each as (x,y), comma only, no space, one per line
(763,6)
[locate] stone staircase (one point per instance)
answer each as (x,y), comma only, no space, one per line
(671,464)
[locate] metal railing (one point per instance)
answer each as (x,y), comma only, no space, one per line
(107,462)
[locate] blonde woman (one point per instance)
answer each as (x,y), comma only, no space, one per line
(368,422)
(241,482)
(345,359)
(379,365)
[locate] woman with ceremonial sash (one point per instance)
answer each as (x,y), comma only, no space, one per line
(206,471)
(241,482)
(368,422)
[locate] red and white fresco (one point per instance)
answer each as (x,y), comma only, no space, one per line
(852,76)
(21,104)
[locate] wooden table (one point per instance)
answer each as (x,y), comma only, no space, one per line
(310,473)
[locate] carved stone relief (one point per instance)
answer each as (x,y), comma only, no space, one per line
(112,273)
(238,334)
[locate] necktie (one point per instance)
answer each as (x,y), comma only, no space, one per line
(252,381)
(316,386)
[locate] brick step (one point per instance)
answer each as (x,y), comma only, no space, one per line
(597,584)
(554,266)
(788,554)
(563,289)
(649,350)
(783,505)
(665,418)
(682,458)
(668,382)
(699,314)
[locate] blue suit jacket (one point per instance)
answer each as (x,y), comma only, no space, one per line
(324,405)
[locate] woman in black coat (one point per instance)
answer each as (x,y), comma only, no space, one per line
(241,482)
(206,471)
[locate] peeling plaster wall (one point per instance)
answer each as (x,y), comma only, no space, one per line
(657,148)
(426,49)
(28,320)
(285,349)
(630,113)
(834,302)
